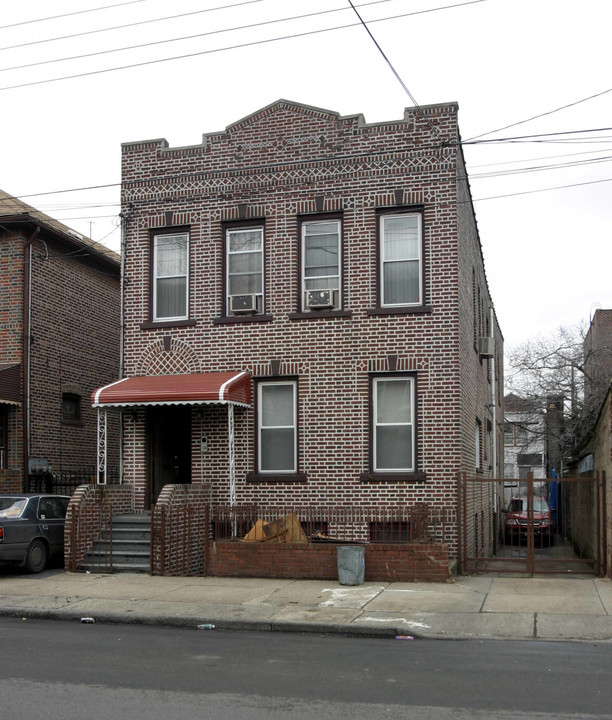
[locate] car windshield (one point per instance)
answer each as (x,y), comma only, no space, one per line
(518,505)
(12,507)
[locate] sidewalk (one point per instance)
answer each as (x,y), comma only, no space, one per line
(556,608)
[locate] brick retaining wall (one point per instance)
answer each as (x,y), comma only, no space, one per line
(89,509)
(388,562)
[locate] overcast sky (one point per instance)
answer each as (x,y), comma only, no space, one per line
(543,204)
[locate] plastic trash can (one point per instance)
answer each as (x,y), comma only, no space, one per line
(351,564)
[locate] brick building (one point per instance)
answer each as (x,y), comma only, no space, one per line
(307,316)
(59,339)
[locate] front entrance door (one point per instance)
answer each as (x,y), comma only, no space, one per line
(169,433)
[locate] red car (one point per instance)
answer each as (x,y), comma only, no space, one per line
(517,519)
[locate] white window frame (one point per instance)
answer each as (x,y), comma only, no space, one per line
(478,444)
(376,424)
(260,427)
(384,262)
(228,253)
(338,277)
(156,277)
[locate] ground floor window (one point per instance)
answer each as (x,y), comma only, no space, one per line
(277,426)
(3,437)
(393,424)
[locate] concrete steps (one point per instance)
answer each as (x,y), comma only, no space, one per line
(129,546)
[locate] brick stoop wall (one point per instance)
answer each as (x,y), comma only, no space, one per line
(180,526)
(312,561)
(89,511)
(10,481)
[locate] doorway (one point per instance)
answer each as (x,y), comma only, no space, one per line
(169,440)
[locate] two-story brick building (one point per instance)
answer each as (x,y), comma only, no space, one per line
(59,339)
(307,316)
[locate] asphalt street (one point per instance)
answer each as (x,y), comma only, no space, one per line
(72,670)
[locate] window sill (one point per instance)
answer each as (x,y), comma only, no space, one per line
(314,314)
(72,423)
(414,477)
(401,310)
(233,319)
(272,478)
(166,324)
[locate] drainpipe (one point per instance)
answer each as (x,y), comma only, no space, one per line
(494,404)
(27,343)
(124,221)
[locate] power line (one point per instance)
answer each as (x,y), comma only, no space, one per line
(76,12)
(134,24)
(226,48)
(394,71)
(546,157)
(544,114)
(536,135)
(541,190)
(182,38)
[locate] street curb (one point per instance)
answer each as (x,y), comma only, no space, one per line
(111,618)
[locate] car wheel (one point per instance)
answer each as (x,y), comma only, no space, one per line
(36,558)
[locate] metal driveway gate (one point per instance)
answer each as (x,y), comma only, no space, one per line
(532,526)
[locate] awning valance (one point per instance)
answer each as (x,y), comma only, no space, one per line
(10,384)
(196,389)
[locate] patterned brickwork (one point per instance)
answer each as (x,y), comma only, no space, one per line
(278,165)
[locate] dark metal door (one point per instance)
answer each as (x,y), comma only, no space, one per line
(169,433)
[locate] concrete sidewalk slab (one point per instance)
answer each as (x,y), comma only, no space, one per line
(404,600)
(556,604)
(316,615)
(543,586)
(552,608)
(455,625)
(578,627)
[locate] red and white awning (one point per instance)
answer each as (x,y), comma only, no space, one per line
(10,384)
(218,388)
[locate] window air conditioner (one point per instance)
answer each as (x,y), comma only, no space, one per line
(241,304)
(320,299)
(486,347)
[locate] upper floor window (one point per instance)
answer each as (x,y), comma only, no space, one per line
(401,281)
(393,424)
(71,408)
(277,426)
(321,262)
(171,276)
(245,270)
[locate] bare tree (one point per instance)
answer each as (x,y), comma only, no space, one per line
(556,368)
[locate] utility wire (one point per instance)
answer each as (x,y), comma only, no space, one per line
(76,12)
(432,127)
(226,48)
(544,114)
(182,38)
(134,24)
(534,136)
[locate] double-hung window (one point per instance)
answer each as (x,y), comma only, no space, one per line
(401,270)
(277,427)
(171,276)
(3,437)
(245,270)
(393,424)
(321,262)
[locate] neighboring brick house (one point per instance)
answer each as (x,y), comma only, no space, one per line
(307,316)
(59,339)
